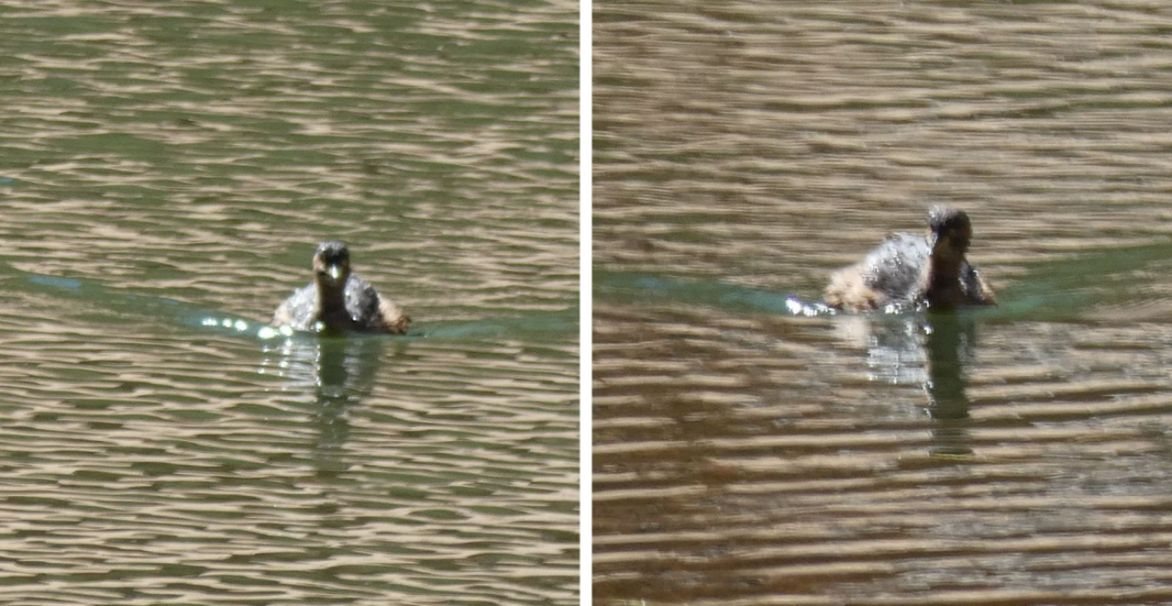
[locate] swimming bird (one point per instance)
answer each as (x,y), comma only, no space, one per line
(911,271)
(337,301)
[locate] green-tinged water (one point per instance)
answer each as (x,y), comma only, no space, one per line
(746,453)
(165,173)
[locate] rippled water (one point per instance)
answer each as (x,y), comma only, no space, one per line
(165,172)
(1017,455)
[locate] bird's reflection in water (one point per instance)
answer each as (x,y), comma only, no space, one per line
(950,343)
(933,350)
(339,373)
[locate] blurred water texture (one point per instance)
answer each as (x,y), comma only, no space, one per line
(165,172)
(748,453)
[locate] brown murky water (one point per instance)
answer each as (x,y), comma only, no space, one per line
(165,172)
(743,455)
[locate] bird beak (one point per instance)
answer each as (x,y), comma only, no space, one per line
(334,271)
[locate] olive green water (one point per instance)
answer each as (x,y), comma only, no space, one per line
(165,171)
(745,455)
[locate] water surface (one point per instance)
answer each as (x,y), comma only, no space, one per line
(747,455)
(165,173)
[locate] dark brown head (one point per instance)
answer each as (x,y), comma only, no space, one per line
(331,263)
(951,231)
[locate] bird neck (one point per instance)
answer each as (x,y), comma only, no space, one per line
(940,279)
(948,259)
(331,304)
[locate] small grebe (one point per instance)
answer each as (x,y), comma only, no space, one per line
(337,301)
(915,271)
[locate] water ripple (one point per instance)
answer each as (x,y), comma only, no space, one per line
(165,177)
(747,455)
